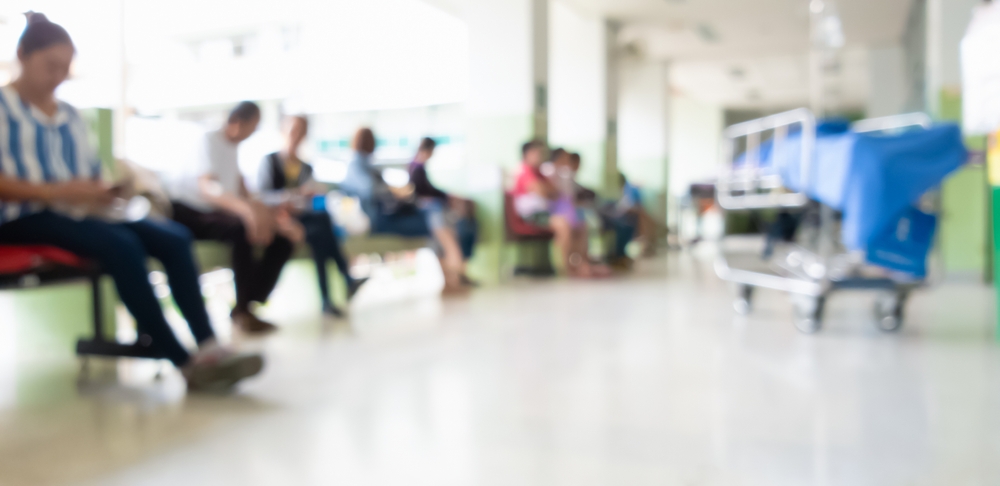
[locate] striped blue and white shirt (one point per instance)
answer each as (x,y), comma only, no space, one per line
(37,148)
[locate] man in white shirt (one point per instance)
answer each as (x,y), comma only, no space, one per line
(215,205)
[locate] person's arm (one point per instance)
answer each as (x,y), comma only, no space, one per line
(75,192)
(422,184)
(544,188)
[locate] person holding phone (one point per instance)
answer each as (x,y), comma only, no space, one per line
(286,183)
(52,193)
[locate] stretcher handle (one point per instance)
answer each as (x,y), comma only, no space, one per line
(894,122)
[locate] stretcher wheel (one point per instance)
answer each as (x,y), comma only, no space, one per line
(809,314)
(889,311)
(744,299)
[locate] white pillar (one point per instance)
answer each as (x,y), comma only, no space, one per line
(889,88)
(643,126)
(508,82)
(946,22)
(581,90)
(507,105)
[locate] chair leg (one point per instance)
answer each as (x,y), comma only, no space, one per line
(99,344)
(98,314)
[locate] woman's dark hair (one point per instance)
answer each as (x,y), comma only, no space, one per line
(41,34)
(364,141)
(528,146)
(558,154)
(244,112)
(428,144)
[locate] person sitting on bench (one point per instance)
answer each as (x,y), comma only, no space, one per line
(50,192)
(214,204)
(395,210)
(460,214)
(286,181)
(540,200)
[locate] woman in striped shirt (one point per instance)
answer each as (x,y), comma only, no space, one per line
(50,182)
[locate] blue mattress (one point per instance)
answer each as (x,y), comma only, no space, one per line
(874,180)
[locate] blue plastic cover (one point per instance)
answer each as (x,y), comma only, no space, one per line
(889,174)
(874,180)
(903,245)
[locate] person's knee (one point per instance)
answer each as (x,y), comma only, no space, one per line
(283,245)
(560,226)
(176,235)
(233,231)
(122,249)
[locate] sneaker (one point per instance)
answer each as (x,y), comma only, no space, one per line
(251,324)
(220,370)
(353,287)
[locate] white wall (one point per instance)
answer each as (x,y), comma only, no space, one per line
(696,134)
(643,123)
(947,21)
(888,86)
(501,82)
(577,84)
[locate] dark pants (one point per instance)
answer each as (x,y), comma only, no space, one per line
(467,230)
(325,246)
(122,249)
(625,226)
(409,223)
(254,279)
(416,223)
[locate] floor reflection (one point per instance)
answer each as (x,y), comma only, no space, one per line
(649,379)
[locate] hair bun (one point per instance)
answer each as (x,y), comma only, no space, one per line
(36,18)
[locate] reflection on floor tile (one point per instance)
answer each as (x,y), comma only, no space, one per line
(649,379)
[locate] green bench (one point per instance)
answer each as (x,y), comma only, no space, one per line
(213,255)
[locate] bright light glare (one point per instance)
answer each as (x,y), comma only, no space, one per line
(330,56)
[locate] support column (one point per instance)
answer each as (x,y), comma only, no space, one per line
(612,85)
(643,129)
(584,93)
(963,239)
(507,106)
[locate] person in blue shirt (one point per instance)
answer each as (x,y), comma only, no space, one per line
(399,211)
(52,193)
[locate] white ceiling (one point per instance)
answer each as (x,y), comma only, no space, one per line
(757,56)
(765,39)
(744,27)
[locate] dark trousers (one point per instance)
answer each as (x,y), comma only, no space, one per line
(325,246)
(467,230)
(254,279)
(626,227)
(121,249)
(416,223)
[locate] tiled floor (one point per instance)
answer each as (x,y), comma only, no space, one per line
(649,379)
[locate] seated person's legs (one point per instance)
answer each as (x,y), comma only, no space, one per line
(322,238)
(227,228)
(571,239)
(452,262)
(121,253)
(625,227)
(275,256)
(170,243)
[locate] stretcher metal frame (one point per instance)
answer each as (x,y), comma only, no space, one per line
(748,187)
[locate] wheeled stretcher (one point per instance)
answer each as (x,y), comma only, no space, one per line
(853,196)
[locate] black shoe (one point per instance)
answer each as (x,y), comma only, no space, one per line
(251,324)
(332,310)
(352,288)
(467,282)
